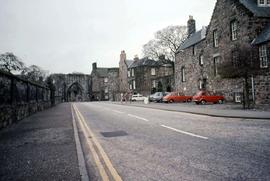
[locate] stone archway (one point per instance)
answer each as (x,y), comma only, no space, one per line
(75,93)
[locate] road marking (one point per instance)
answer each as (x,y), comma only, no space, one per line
(100,150)
(81,159)
(97,160)
(120,112)
(184,132)
(138,117)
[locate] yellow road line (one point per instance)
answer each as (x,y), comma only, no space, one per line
(99,165)
(105,157)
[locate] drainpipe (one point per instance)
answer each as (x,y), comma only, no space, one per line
(253,89)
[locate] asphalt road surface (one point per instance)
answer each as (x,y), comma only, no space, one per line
(146,144)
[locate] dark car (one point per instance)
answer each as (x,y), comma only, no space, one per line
(202,97)
(157,97)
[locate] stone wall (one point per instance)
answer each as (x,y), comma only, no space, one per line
(20,98)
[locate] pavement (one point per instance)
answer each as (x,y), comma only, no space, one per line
(216,110)
(40,147)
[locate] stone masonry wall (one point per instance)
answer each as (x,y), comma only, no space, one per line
(249,27)
(20,98)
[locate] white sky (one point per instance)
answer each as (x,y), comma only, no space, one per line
(68,35)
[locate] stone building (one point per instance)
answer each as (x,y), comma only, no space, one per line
(124,64)
(72,87)
(146,76)
(104,83)
(234,23)
(189,73)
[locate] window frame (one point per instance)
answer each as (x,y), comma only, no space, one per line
(201,60)
(183,74)
(263,56)
(216,61)
(153,71)
(234,30)
(215,38)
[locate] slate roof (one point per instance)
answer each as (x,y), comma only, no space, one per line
(263,37)
(129,62)
(252,6)
(193,39)
(144,62)
(102,72)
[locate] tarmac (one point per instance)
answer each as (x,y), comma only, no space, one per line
(36,148)
(40,147)
(215,110)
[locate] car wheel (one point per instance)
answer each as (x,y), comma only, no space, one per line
(171,101)
(203,101)
(220,101)
(189,100)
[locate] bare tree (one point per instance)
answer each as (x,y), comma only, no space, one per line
(34,73)
(9,62)
(166,42)
(243,65)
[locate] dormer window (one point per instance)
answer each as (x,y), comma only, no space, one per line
(263,3)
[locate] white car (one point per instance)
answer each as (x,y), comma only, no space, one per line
(137,97)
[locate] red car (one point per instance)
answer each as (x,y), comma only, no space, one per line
(204,96)
(176,97)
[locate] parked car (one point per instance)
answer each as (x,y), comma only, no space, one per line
(202,97)
(157,97)
(137,97)
(176,97)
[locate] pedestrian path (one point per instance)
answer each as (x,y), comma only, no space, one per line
(40,147)
(204,110)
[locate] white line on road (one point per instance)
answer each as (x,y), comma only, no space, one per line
(134,116)
(184,132)
(120,112)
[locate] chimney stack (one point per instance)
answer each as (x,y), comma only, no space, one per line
(94,66)
(123,55)
(191,25)
(136,58)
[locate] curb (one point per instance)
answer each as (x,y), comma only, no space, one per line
(197,113)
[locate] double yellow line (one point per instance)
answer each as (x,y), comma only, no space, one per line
(97,151)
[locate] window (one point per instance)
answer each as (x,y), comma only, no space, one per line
(132,72)
(153,71)
(193,50)
(235,59)
(154,85)
(201,60)
(216,62)
(183,73)
(263,56)
(105,79)
(263,2)
(234,28)
(106,90)
(237,97)
(134,84)
(130,86)
(128,73)
(215,38)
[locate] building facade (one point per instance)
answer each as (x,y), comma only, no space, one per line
(71,87)
(124,64)
(146,76)
(104,83)
(233,24)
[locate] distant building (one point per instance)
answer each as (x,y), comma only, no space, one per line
(146,76)
(234,23)
(71,87)
(124,64)
(104,83)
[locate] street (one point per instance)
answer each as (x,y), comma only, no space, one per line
(149,144)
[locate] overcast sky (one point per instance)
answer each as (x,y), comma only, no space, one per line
(64,36)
